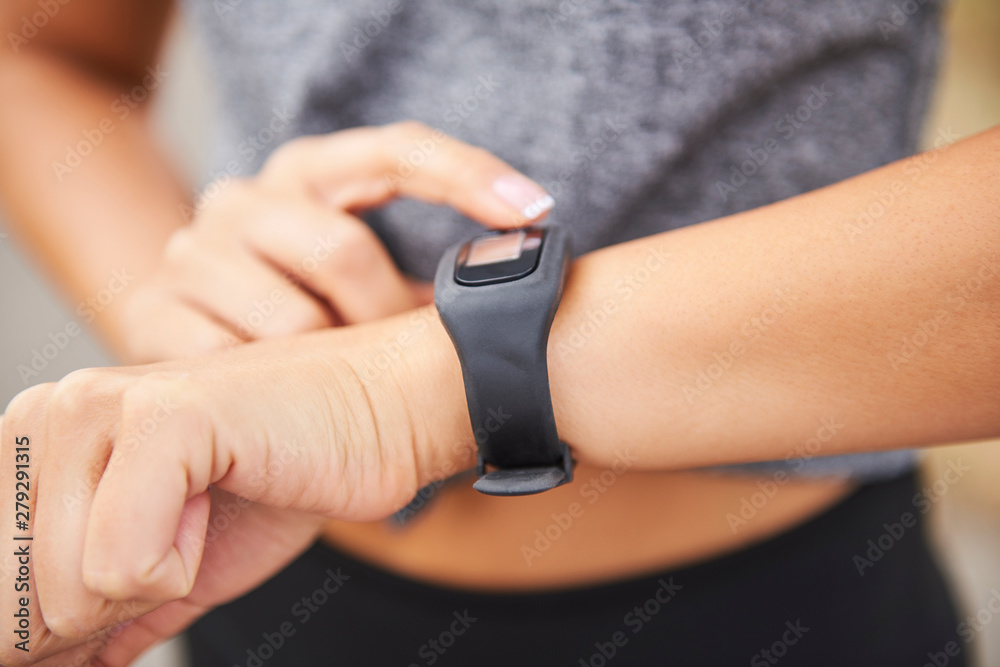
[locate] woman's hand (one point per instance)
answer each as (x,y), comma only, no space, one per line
(284,253)
(156,493)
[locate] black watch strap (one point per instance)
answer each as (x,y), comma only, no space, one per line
(501,333)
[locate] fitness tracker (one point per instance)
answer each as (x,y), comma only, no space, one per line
(497,296)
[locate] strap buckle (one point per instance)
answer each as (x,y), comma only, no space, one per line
(524,481)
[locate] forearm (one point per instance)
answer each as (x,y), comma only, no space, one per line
(745,338)
(884,317)
(796,321)
(95,216)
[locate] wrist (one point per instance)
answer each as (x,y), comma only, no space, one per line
(603,319)
(413,365)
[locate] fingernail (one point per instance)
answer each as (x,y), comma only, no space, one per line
(526,196)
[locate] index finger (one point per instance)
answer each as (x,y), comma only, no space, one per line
(366,167)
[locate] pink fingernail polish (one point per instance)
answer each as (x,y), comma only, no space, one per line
(526,196)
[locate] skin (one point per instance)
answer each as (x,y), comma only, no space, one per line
(283,253)
(65,80)
(123,459)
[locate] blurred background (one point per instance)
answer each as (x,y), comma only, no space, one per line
(965,520)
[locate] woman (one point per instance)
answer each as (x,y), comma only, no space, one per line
(784,332)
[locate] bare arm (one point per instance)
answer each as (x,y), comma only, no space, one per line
(67,87)
(91,195)
(886,325)
(874,302)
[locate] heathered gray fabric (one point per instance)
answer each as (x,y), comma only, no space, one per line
(633,114)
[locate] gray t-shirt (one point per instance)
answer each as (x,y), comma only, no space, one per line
(638,116)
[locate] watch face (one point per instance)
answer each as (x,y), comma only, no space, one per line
(499,257)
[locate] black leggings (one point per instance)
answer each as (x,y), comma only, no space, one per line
(819,594)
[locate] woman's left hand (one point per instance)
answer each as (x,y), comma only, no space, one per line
(155,493)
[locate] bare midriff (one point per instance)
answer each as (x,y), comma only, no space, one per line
(604,526)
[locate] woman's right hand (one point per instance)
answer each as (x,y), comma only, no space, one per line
(284,252)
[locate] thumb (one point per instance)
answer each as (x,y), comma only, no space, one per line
(299,434)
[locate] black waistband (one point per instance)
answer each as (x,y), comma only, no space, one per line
(854,585)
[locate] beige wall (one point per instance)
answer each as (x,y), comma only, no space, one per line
(967,523)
